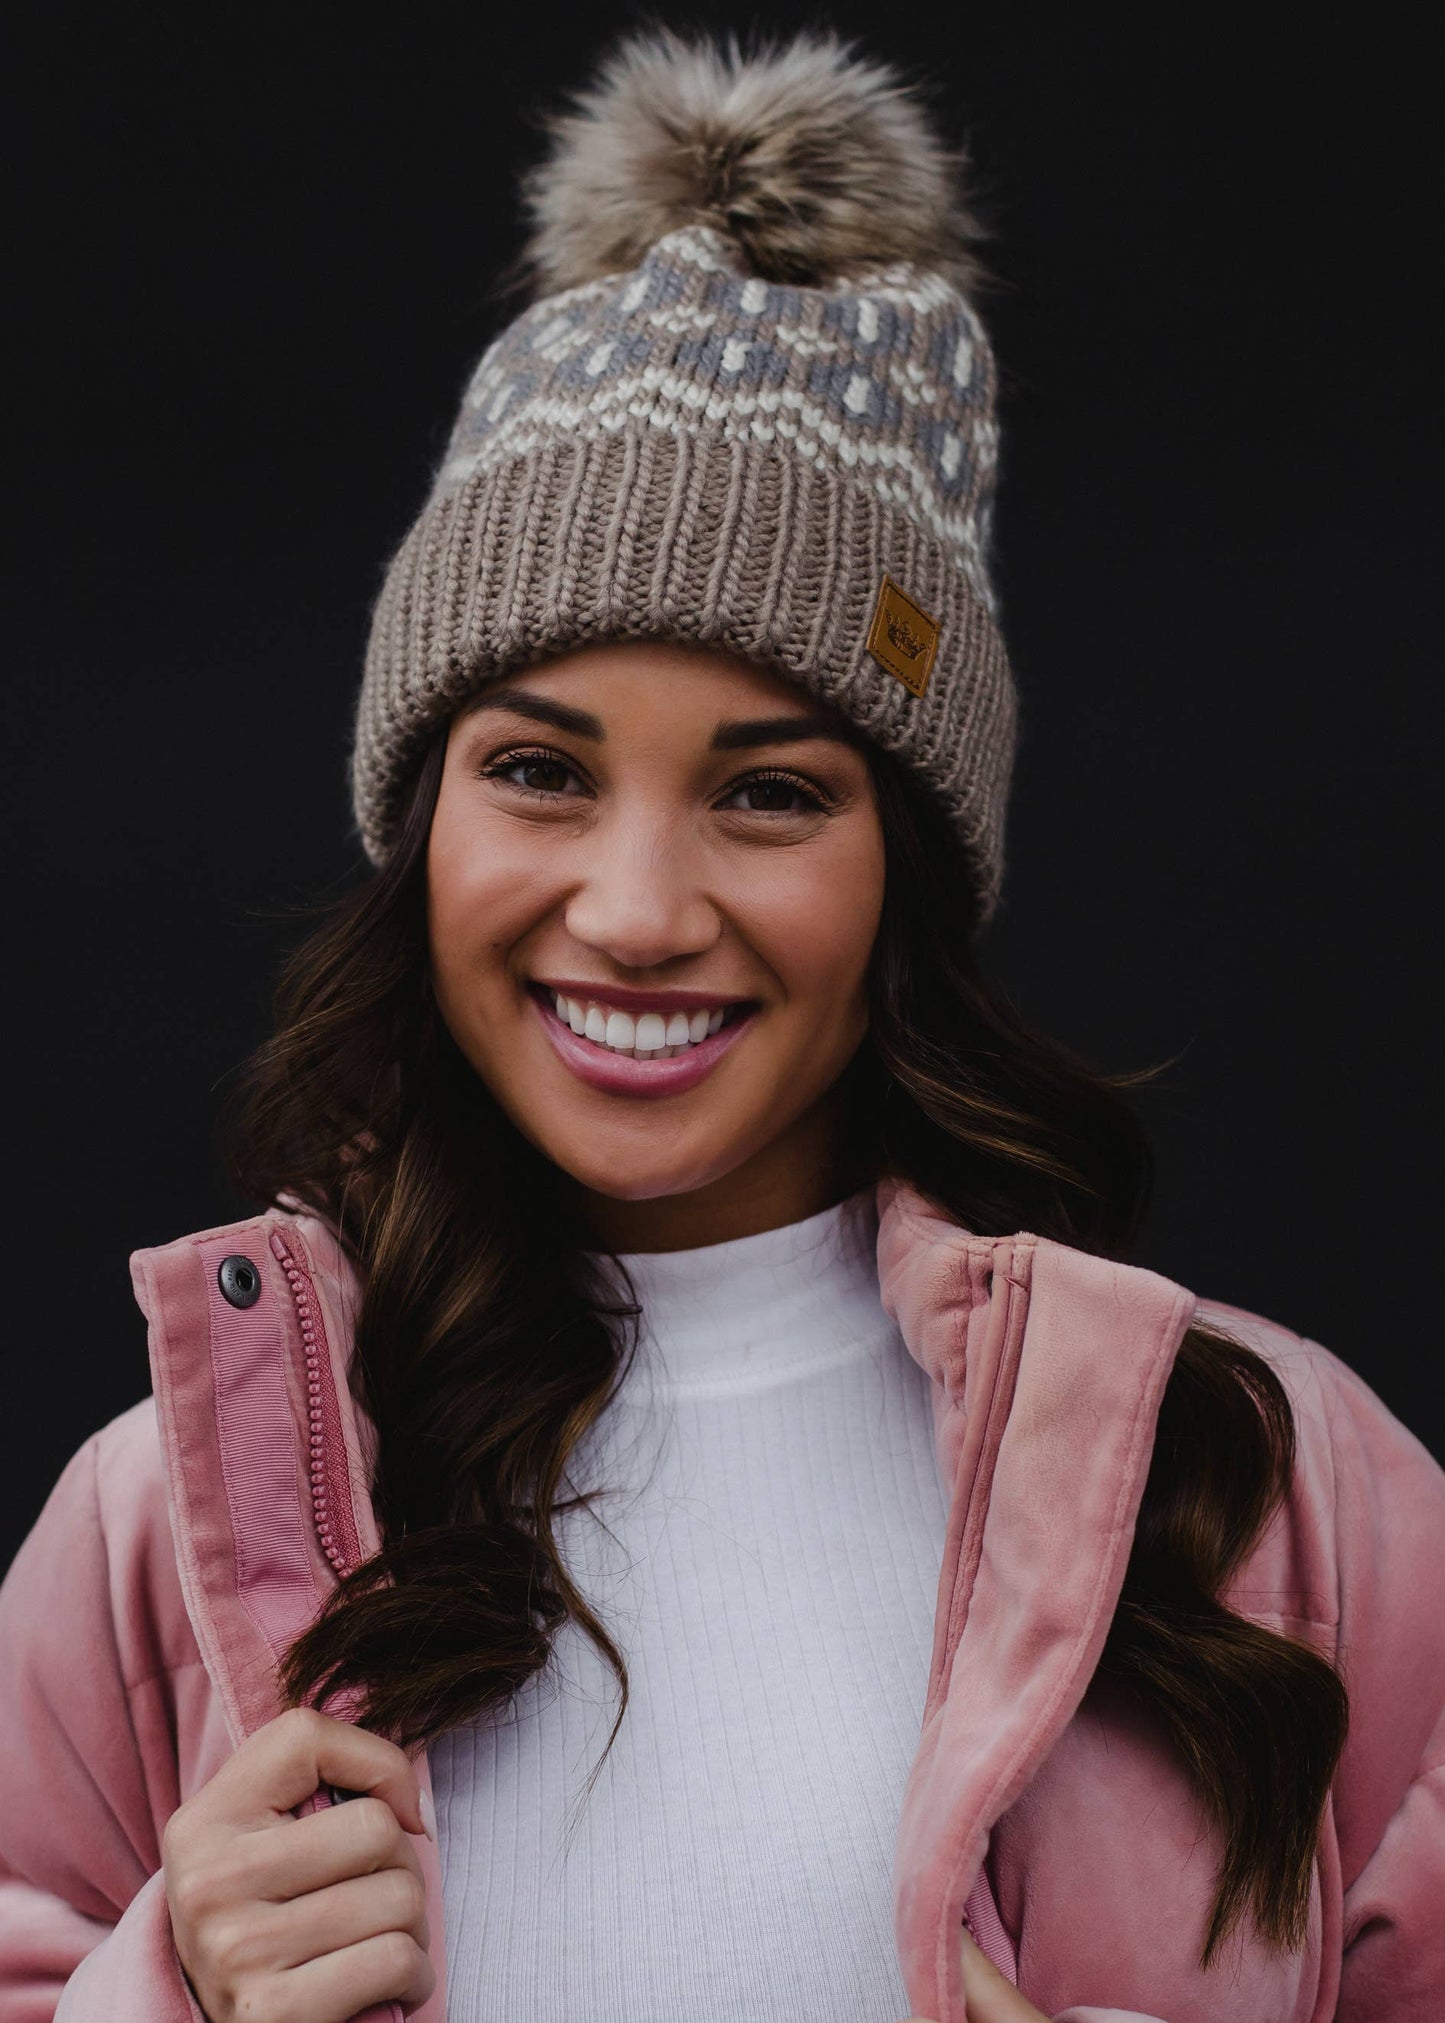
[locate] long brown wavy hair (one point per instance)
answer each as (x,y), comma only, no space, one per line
(485,1347)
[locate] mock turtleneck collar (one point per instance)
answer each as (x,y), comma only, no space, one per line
(781,1301)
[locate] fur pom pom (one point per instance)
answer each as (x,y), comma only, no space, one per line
(814,162)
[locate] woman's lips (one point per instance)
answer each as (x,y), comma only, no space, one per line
(623,1075)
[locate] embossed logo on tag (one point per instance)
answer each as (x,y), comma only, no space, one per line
(902,638)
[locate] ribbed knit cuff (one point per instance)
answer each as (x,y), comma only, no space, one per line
(645,532)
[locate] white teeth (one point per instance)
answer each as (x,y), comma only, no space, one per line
(650,1036)
(651,1033)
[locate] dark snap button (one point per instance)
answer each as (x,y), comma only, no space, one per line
(240,1281)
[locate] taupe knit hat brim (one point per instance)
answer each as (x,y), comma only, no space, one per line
(646,533)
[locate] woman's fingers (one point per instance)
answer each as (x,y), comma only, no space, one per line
(301,1750)
(389,1967)
(300,1919)
(297,1855)
(990,1995)
(330,1920)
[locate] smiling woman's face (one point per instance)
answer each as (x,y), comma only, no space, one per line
(685,849)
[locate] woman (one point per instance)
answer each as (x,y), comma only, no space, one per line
(677,1269)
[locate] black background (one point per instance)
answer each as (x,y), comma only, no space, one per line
(254,265)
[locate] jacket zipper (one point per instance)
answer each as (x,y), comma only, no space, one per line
(989,1952)
(330,1479)
(330,1484)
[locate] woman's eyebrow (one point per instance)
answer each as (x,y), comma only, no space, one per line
(541,709)
(777,730)
(737,735)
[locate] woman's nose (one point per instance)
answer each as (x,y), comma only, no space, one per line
(640,903)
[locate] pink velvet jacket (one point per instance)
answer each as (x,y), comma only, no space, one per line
(188,1542)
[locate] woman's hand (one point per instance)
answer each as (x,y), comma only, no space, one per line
(284,1920)
(990,1996)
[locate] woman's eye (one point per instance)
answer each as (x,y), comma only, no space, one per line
(536,772)
(776,794)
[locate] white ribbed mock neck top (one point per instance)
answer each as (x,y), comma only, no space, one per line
(767,1556)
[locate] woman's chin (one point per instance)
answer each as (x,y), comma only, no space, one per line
(621,1182)
(633,1166)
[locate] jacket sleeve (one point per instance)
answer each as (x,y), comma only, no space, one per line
(100,1695)
(1388,1798)
(1395,1962)
(1389,1794)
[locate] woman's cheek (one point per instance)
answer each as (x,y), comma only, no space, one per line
(482,898)
(817,931)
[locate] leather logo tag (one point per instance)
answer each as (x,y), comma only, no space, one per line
(902,638)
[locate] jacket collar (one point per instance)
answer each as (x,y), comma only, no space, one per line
(1048,1367)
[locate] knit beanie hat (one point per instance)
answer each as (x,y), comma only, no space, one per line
(750,405)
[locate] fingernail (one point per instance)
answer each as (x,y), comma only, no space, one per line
(428,1814)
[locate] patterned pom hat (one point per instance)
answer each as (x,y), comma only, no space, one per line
(751,406)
